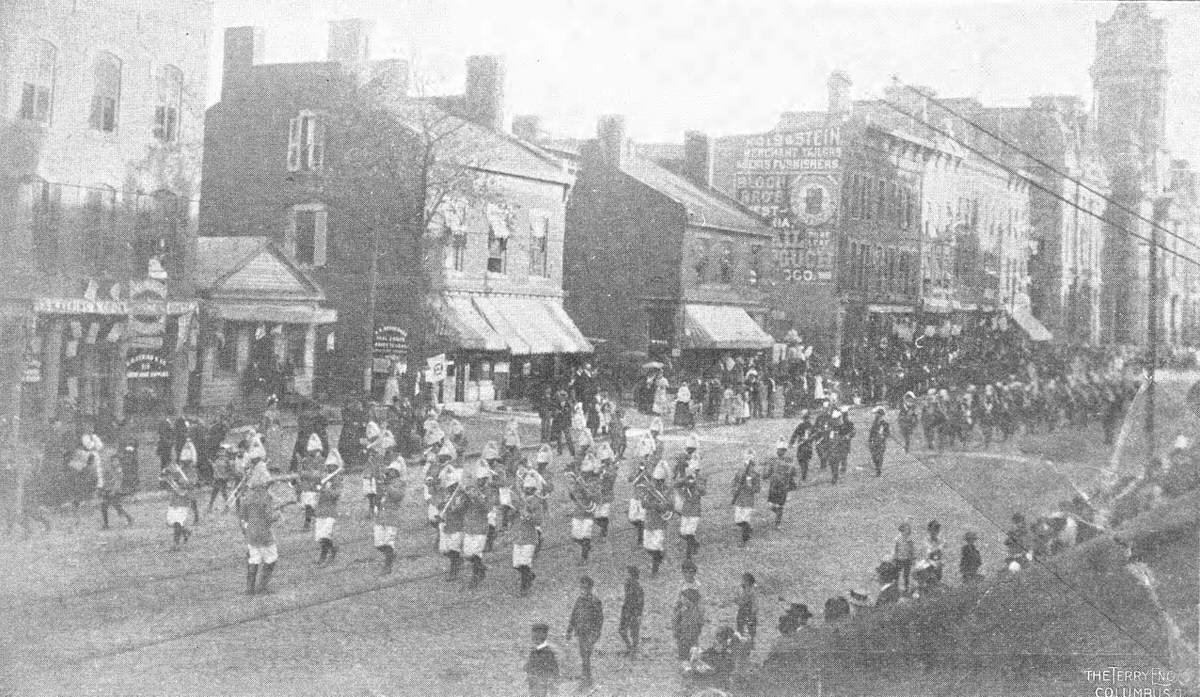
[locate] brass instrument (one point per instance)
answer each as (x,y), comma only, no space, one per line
(663,502)
(329,477)
(453,495)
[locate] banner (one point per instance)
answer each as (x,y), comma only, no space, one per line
(437,368)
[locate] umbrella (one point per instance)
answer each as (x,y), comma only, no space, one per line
(651,365)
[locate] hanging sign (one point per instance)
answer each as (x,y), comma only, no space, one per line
(390,342)
(144,364)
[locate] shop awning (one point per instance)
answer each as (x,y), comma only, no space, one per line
(461,322)
(1032,325)
(264,312)
(722,327)
(532,325)
(883,309)
(520,325)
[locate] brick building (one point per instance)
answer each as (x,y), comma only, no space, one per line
(101,124)
(356,180)
(662,263)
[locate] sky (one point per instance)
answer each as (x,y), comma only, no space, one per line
(730,66)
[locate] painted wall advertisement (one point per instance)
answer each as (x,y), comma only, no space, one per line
(791,178)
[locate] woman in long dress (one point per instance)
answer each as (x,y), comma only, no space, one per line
(662,402)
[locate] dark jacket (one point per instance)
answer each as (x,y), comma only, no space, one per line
(587,617)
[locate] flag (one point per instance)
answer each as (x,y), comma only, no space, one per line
(331,343)
(260,332)
(114,334)
(92,289)
(93,332)
(114,291)
(277,330)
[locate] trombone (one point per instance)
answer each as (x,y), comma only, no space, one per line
(663,501)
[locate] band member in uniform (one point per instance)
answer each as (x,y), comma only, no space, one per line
(310,472)
(329,490)
(179,503)
(108,489)
(680,465)
(877,439)
(691,489)
(822,443)
(585,497)
(510,460)
(907,419)
(188,464)
(931,420)
(746,484)
(478,502)
(656,429)
(224,472)
(257,512)
(608,486)
(802,438)
(452,512)
(781,478)
(531,512)
(393,488)
(499,480)
(658,508)
(639,477)
(841,432)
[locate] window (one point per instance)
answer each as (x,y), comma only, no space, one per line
(169,101)
(157,228)
(37,93)
(701,261)
(756,258)
(726,262)
(47,217)
(450,222)
(538,257)
(307,234)
(499,230)
(98,209)
(106,93)
(306,143)
(456,252)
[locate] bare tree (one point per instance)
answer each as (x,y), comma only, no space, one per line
(407,168)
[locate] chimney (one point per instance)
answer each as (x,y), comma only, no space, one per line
(350,41)
(610,134)
(485,91)
(527,127)
(698,158)
(839,93)
(243,50)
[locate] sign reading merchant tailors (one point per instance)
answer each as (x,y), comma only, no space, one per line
(790,178)
(390,342)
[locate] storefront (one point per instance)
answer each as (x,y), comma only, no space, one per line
(121,349)
(263,323)
(504,347)
(713,332)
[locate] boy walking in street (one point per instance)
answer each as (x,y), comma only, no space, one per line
(630,627)
(541,670)
(587,619)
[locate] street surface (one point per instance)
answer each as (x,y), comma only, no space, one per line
(117,612)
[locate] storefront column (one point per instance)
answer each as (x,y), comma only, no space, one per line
(51,365)
(304,383)
(120,378)
(243,347)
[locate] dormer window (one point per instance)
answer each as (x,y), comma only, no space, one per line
(37,92)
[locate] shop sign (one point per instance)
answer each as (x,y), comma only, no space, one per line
(83,306)
(33,371)
(390,342)
(437,368)
(500,367)
(144,364)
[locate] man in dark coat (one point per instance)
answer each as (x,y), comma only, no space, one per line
(802,437)
(541,669)
(587,619)
(877,439)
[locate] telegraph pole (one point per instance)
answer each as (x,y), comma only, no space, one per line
(1151,340)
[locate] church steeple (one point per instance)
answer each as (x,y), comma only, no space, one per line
(1129,78)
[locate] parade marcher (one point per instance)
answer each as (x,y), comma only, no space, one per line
(223,473)
(541,668)
(506,472)
(187,465)
(907,419)
(179,504)
(877,439)
(500,481)
(608,472)
(527,532)
(257,515)
(970,560)
(781,478)
(310,474)
(586,623)
(452,513)
(691,489)
(822,428)
(802,439)
(393,489)
(617,432)
(657,506)
(639,478)
(932,419)
(479,502)
(632,606)
(372,474)
(681,461)
(329,490)
(108,489)
(904,553)
(841,433)
(746,485)
(585,499)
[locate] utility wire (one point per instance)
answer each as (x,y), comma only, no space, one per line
(1030,156)
(1033,182)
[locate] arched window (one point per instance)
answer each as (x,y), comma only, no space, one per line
(168,103)
(157,227)
(106,93)
(37,92)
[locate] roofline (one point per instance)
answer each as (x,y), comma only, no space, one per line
(264,242)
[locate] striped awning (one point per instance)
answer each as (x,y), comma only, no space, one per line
(520,325)
(722,327)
